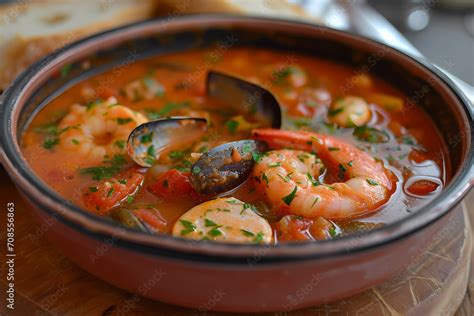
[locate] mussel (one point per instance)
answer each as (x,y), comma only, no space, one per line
(147,141)
(126,218)
(225,167)
(248,99)
(132,219)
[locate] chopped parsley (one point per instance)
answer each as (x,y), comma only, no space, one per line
(123,120)
(315,201)
(281,75)
(104,172)
(290,197)
(247,206)
(120,144)
(332,231)
(52,134)
(93,189)
(334,148)
(264,177)
(65,70)
(232,201)
(334,112)
(302,157)
(370,134)
(176,154)
(342,171)
(50,143)
(313,181)
(232,126)
(150,155)
(209,223)
(171,106)
(215,232)
(247,233)
(408,140)
(188,227)
(258,238)
(257,156)
(146,138)
(372,182)
(110,192)
(93,104)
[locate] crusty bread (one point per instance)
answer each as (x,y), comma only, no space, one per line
(31,29)
(269,8)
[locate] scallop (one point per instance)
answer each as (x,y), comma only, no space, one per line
(225,220)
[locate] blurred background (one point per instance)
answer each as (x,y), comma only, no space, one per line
(442,30)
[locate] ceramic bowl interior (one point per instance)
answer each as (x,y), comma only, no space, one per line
(114,50)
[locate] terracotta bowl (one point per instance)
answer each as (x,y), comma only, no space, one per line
(227,277)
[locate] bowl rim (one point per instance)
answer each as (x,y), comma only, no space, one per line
(168,245)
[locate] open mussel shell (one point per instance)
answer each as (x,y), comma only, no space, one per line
(126,218)
(248,99)
(147,141)
(225,167)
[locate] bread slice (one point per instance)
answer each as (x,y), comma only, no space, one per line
(31,29)
(267,8)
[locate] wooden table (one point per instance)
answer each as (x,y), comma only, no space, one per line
(47,283)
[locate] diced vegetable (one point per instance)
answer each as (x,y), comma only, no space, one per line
(292,227)
(109,193)
(173,185)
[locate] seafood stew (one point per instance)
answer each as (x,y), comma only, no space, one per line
(350,155)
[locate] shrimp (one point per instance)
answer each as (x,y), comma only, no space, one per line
(291,186)
(224,219)
(99,129)
(349,111)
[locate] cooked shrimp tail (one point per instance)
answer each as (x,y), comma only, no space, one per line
(362,183)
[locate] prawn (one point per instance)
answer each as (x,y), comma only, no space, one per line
(290,181)
(99,129)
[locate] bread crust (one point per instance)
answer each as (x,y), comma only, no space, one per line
(19,52)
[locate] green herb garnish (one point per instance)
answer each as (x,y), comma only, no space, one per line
(335,112)
(104,172)
(232,126)
(189,227)
(176,154)
(215,232)
(372,182)
(209,223)
(65,70)
(370,134)
(146,138)
(247,233)
(123,120)
(290,197)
